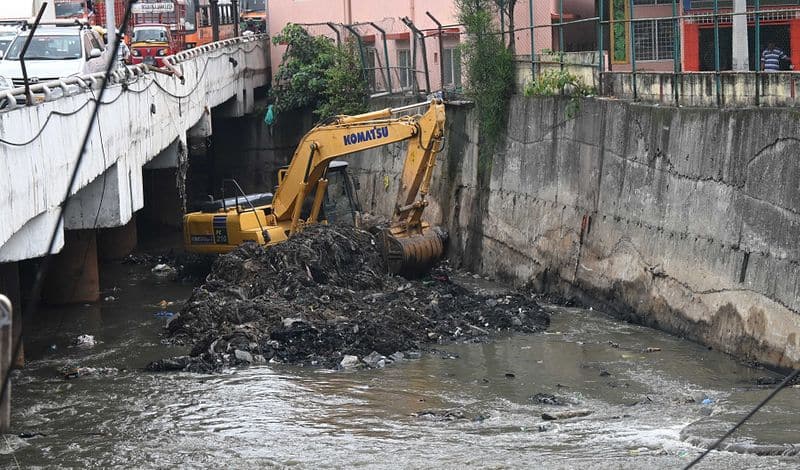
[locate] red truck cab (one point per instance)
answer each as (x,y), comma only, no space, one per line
(151,43)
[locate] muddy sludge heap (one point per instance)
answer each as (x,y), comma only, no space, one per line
(323,295)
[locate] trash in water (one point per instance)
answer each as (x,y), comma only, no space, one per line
(565,414)
(707,401)
(652,350)
(73,372)
(164,314)
(85,341)
(164,270)
(323,295)
(110,298)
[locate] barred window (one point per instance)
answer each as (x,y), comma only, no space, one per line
(452,68)
(665,39)
(404,62)
(653,40)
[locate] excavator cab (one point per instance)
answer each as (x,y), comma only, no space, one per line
(340,204)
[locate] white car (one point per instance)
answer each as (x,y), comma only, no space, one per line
(7,34)
(54,52)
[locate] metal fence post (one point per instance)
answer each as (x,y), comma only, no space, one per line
(441,50)
(336,31)
(386,53)
(561,32)
(716,51)
(600,58)
(417,33)
(360,51)
(533,49)
(758,51)
(633,52)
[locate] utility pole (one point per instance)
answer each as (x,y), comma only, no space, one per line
(740,59)
(215,19)
(111,22)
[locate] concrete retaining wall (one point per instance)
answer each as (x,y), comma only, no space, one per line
(736,89)
(683,219)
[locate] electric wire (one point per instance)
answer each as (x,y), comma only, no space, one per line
(61,114)
(749,415)
(33,304)
(125,87)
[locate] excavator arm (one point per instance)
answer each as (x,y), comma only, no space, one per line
(350,134)
(409,244)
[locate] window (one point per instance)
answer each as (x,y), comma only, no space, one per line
(653,40)
(451,59)
(370,66)
(404,62)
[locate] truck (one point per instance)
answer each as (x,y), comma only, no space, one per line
(409,244)
(25,10)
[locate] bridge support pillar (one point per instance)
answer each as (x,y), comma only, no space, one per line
(73,276)
(118,242)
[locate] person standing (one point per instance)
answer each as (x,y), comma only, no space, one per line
(771,58)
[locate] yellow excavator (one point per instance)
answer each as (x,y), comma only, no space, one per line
(409,244)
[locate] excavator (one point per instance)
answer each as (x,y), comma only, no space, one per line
(409,244)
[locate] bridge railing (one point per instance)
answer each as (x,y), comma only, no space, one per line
(55,89)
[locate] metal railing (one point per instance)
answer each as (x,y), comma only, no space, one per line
(69,86)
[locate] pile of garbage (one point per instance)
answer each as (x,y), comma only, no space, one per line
(323,298)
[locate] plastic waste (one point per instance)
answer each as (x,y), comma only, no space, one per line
(85,341)
(269,117)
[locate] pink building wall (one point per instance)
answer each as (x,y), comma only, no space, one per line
(385,13)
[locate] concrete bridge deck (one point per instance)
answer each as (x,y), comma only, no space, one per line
(143,122)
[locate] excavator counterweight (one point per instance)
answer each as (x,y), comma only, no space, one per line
(410,245)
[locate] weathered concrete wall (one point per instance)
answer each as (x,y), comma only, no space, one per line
(683,219)
(736,89)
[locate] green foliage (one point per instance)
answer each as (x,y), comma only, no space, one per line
(316,74)
(560,82)
(345,85)
(490,71)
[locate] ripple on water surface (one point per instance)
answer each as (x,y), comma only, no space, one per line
(474,411)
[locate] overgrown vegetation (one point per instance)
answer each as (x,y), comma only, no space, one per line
(555,82)
(315,73)
(490,71)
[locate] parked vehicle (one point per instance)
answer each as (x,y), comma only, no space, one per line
(199,30)
(7,34)
(151,43)
(72,9)
(55,52)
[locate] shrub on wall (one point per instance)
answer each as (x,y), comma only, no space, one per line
(316,74)
(490,71)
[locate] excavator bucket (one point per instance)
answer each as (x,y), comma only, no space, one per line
(412,255)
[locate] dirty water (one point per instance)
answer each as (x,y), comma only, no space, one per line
(440,411)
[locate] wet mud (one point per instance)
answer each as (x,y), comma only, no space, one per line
(323,298)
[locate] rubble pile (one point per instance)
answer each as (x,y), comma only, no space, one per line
(324,295)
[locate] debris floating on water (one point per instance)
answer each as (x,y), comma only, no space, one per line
(324,295)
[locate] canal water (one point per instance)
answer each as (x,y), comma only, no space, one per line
(466,405)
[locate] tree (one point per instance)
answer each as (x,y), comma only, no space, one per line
(506,9)
(489,70)
(316,74)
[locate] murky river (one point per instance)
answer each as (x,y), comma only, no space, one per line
(475,410)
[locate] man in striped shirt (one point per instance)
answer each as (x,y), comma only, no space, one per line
(771,58)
